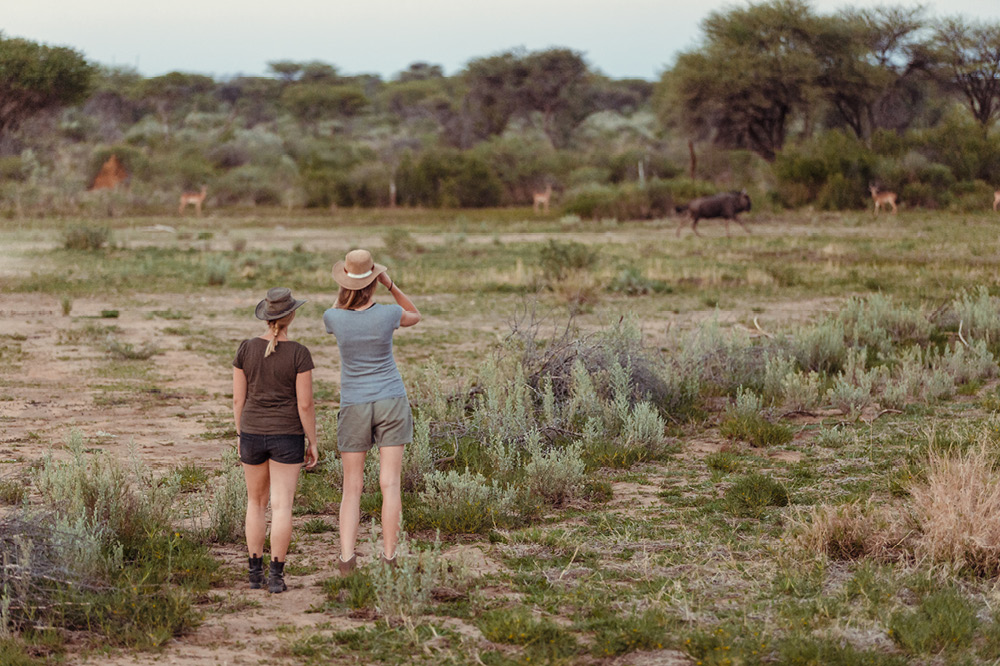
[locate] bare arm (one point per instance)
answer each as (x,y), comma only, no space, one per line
(411,315)
(239,396)
(307,414)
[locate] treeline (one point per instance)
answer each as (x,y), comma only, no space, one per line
(802,107)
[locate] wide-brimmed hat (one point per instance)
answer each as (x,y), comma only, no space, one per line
(279,303)
(357,270)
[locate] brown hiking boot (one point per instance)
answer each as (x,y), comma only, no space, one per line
(390,562)
(350,565)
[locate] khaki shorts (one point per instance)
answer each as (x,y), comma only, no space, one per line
(383,422)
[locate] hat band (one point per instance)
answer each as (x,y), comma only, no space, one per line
(358,276)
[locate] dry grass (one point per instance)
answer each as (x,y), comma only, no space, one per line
(958,509)
(855,531)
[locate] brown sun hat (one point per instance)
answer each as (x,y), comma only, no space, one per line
(279,303)
(357,270)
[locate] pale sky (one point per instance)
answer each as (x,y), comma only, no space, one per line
(622,38)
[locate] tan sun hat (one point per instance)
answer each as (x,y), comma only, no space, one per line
(357,270)
(279,303)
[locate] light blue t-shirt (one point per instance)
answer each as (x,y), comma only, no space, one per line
(367,369)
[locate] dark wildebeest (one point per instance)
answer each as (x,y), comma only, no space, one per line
(726,205)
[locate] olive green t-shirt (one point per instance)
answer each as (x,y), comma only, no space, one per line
(272,406)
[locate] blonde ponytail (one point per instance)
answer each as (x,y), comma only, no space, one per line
(276,327)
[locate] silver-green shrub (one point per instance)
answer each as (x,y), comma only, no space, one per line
(800,390)
(227,509)
(978,314)
(557,474)
(418,457)
(404,592)
(119,502)
(821,348)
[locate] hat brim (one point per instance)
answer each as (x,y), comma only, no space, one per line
(341,277)
(261,311)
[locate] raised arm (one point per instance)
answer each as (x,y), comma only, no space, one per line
(411,315)
(307,414)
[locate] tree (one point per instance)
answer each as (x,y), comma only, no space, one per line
(173,95)
(34,77)
(970,53)
(869,61)
(312,102)
(755,71)
(552,82)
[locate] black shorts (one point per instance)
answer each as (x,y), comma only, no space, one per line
(258,449)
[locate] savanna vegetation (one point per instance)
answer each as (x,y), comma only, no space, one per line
(773,448)
(797,106)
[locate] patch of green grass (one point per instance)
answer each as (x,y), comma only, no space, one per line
(944,619)
(752,494)
(190,477)
(756,430)
(620,634)
(722,461)
(540,638)
(127,351)
(354,591)
(807,650)
(317,526)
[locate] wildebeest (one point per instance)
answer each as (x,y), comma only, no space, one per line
(725,204)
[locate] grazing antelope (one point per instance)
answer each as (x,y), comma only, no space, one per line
(886,198)
(996,199)
(542,199)
(194,198)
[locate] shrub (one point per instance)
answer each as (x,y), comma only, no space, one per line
(854,531)
(12,492)
(227,509)
(122,505)
(464,502)
(555,474)
(404,592)
(821,348)
(752,494)
(86,238)
(560,259)
(744,421)
(631,282)
(958,510)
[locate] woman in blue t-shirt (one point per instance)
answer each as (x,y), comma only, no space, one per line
(374,409)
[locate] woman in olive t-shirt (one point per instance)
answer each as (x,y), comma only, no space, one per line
(275,415)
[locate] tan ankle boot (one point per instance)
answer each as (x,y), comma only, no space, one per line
(350,565)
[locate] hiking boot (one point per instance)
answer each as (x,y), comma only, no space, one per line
(276,578)
(390,562)
(347,567)
(256,572)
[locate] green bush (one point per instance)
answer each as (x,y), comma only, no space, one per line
(86,238)
(559,259)
(752,494)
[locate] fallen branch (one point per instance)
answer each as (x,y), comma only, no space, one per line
(762,331)
(960,337)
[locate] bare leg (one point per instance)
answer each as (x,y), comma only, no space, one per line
(258,486)
(284,479)
(390,461)
(350,503)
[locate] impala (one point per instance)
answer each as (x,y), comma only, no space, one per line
(542,199)
(886,198)
(193,198)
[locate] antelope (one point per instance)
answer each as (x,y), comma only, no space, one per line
(194,198)
(542,199)
(886,198)
(996,199)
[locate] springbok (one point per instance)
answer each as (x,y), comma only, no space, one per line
(542,198)
(883,199)
(996,199)
(194,198)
